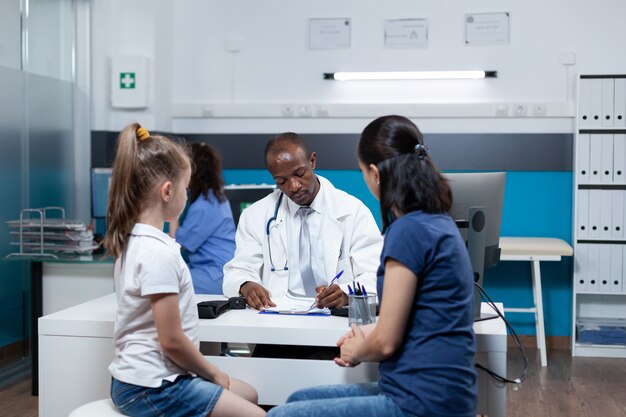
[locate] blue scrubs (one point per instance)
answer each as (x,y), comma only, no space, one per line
(208,235)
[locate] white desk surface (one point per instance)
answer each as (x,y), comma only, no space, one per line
(76,346)
(96,319)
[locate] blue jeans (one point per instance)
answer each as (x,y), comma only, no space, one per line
(362,400)
(186,396)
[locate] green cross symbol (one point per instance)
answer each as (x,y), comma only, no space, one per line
(127,80)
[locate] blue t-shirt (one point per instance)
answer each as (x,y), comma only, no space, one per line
(208,235)
(432,373)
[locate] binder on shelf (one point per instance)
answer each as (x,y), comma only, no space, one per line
(584,103)
(582,158)
(617,218)
(619,106)
(595,159)
(596,103)
(593,267)
(606,145)
(606,213)
(617,267)
(619,158)
(604,268)
(582,221)
(594,213)
(608,90)
(580,267)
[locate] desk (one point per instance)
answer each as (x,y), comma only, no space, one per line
(76,347)
(534,250)
(56,284)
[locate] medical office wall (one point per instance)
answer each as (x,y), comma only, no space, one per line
(36,147)
(240,71)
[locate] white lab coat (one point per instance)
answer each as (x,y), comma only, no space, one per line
(349,230)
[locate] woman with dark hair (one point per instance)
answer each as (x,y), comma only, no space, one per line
(423,338)
(208,230)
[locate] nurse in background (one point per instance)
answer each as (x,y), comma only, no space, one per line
(208,230)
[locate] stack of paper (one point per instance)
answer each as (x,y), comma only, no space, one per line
(41,235)
(290,304)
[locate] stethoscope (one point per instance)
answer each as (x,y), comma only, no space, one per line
(268,227)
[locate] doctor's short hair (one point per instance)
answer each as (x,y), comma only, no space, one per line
(409,180)
(280,142)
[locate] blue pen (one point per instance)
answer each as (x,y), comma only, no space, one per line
(364,292)
(350,292)
(336,278)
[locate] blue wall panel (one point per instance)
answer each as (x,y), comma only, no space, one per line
(537,204)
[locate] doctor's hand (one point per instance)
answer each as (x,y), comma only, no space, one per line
(331,297)
(256,296)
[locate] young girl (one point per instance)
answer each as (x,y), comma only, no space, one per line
(423,338)
(208,232)
(158,369)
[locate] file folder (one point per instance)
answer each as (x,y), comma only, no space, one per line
(582,222)
(580,267)
(596,103)
(606,213)
(584,103)
(593,267)
(595,159)
(606,144)
(604,268)
(594,213)
(619,106)
(619,159)
(617,218)
(608,90)
(617,266)
(582,158)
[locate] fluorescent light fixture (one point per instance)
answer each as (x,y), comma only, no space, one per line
(409,75)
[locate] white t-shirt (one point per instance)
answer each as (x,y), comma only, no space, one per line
(152,264)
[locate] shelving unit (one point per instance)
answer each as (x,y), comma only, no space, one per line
(599,208)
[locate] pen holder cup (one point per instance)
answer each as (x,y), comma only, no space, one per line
(361,309)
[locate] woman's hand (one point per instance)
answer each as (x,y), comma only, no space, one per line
(349,345)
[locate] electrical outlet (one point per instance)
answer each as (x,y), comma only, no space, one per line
(520,110)
(287,110)
(304,110)
(502,110)
(321,110)
(208,111)
(539,109)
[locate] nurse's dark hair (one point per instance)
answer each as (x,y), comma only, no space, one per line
(280,142)
(142,162)
(409,180)
(207,172)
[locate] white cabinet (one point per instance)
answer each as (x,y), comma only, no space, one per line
(599,216)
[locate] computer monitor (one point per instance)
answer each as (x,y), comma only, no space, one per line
(243,195)
(477,200)
(100,184)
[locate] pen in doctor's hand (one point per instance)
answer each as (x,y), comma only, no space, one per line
(330,296)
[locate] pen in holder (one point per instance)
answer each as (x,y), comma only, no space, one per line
(361,309)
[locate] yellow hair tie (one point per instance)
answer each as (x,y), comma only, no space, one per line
(142,133)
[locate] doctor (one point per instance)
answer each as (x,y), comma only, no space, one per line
(280,250)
